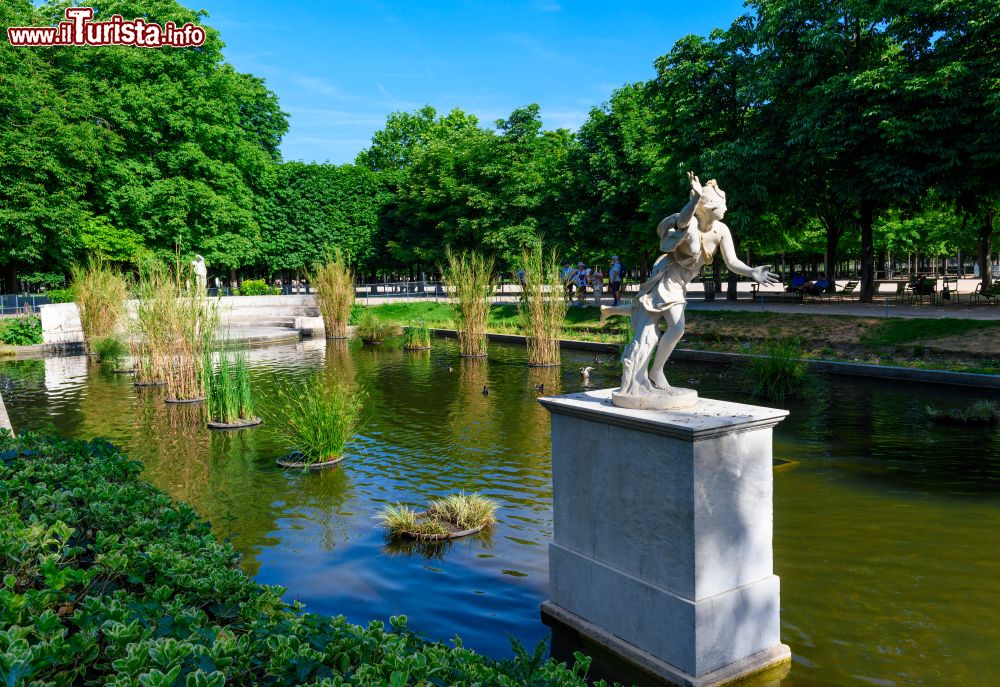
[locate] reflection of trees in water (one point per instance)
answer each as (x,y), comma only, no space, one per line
(436,550)
(470,414)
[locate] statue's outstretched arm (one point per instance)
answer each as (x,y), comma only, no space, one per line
(761,275)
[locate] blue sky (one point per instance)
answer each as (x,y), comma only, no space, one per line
(340,67)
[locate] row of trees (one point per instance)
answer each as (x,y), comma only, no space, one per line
(838,129)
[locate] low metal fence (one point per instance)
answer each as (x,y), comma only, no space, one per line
(14,303)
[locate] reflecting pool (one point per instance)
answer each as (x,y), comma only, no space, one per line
(886,526)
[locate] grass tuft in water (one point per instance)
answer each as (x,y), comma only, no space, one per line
(110,349)
(417,337)
(372,329)
(778,373)
(316,418)
(230,399)
(979,413)
(443,516)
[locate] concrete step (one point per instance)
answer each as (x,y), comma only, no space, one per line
(257,322)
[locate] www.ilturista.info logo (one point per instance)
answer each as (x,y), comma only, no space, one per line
(78,29)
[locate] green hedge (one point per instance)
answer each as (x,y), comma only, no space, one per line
(256,287)
(106,581)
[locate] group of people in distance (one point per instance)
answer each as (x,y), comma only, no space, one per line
(577,279)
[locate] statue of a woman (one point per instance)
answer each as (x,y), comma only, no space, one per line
(688,241)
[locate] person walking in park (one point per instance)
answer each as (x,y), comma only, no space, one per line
(582,277)
(597,284)
(615,279)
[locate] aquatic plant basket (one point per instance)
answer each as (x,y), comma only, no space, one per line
(184,400)
(240,424)
(290,461)
(149,384)
(416,348)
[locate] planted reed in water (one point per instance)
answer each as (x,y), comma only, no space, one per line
(417,337)
(334,284)
(191,324)
(543,307)
(100,294)
(373,330)
(148,334)
(779,372)
(469,277)
(230,400)
(316,418)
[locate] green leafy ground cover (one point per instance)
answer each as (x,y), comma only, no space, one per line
(24,330)
(923,343)
(104,580)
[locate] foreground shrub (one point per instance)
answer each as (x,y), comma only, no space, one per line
(106,581)
(778,372)
(334,284)
(25,330)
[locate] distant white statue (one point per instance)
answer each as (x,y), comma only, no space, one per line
(200,272)
(688,240)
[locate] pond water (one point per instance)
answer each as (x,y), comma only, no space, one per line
(886,526)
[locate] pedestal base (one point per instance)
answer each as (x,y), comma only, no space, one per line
(763,669)
(667,399)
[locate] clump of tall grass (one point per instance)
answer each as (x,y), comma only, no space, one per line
(230,399)
(100,294)
(372,329)
(190,326)
(110,349)
(543,308)
(316,418)
(149,336)
(981,412)
(334,284)
(417,337)
(469,277)
(444,518)
(777,373)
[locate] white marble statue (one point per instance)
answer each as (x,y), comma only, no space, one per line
(200,272)
(688,240)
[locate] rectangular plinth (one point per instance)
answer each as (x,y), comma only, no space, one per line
(663,526)
(695,636)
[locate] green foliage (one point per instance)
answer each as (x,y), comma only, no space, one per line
(24,330)
(257,287)
(463,510)
(110,349)
(777,373)
(100,292)
(333,280)
(230,399)
(61,295)
(106,581)
(316,418)
(898,331)
(979,413)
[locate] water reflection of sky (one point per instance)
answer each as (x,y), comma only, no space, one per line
(885,524)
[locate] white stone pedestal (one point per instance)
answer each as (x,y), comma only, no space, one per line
(662,535)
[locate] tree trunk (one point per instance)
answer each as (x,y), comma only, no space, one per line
(983,248)
(865,221)
(10,274)
(833,233)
